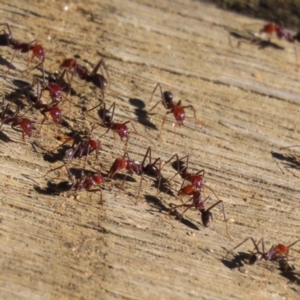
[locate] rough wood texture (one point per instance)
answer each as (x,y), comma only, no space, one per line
(247,103)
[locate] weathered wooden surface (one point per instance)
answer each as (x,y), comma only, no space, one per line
(58,247)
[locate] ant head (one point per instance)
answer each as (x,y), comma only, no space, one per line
(94,145)
(69,63)
(98,178)
(207,218)
(123,131)
(254,258)
(39,52)
(55,113)
(119,164)
(168,96)
(55,91)
(27,126)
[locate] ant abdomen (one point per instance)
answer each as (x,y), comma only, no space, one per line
(56,115)
(207,218)
(38,51)
(98,80)
(168,96)
(26,126)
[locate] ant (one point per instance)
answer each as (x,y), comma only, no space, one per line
(206,215)
(34,98)
(86,181)
(82,72)
(131,166)
(15,120)
(37,50)
(176,109)
(107,116)
(82,147)
(274,254)
(125,162)
(279,30)
(196,179)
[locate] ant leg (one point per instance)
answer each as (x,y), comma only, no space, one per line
(155,105)
(13,57)
(225,220)
(102,65)
(293,244)
(162,164)
(44,119)
(140,188)
(163,122)
(19,130)
(52,170)
(93,108)
(245,240)
(188,206)
(105,132)
(97,190)
(7,26)
(157,85)
(194,111)
(147,154)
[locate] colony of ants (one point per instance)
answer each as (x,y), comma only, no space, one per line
(85,146)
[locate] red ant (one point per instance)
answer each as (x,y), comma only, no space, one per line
(15,120)
(87,182)
(151,169)
(274,254)
(131,166)
(176,109)
(196,179)
(80,148)
(35,101)
(107,116)
(82,72)
(206,215)
(37,50)
(125,162)
(279,30)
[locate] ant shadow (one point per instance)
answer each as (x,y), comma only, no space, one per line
(17,96)
(237,261)
(5,138)
(163,185)
(54,188)
(289,161)
(156,203)
(123,177)
(77,172)
(6,63)
(287,271)
(74,136)
(57,156)
(262,44)
(141,113)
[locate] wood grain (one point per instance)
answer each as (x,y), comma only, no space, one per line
(246,98)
